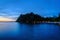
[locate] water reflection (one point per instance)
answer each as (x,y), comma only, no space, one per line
(30,32)
(8,29)
(41,31)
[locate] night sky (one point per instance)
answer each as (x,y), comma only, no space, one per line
(13,8)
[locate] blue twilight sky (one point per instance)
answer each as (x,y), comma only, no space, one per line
(13,8)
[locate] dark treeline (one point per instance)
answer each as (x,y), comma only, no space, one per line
(35,18)
(53,19)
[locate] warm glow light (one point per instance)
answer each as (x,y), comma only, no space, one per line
(6,19)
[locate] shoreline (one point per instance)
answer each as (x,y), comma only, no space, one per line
(34,23)
(39,22)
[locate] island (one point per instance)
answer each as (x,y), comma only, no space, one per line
(32,18)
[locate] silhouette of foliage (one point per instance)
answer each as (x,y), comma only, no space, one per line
(35,18)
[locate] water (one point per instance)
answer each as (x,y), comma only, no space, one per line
(16,31)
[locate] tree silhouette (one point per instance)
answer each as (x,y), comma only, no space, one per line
(35,18)
(58,18)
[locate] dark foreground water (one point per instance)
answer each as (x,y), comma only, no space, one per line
(16,31)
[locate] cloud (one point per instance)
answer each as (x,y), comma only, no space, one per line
(3,14)
(6,19)
(11,17)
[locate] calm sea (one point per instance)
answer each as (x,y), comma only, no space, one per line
(17,31)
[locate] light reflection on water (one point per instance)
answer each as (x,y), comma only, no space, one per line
(30,32)
(8,29)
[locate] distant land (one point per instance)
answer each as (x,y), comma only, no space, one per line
(32,18)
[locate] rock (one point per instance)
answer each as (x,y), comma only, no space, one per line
(29,18)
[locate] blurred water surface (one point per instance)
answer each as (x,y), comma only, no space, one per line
(17,31)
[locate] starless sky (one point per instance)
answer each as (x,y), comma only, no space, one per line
(13,8)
